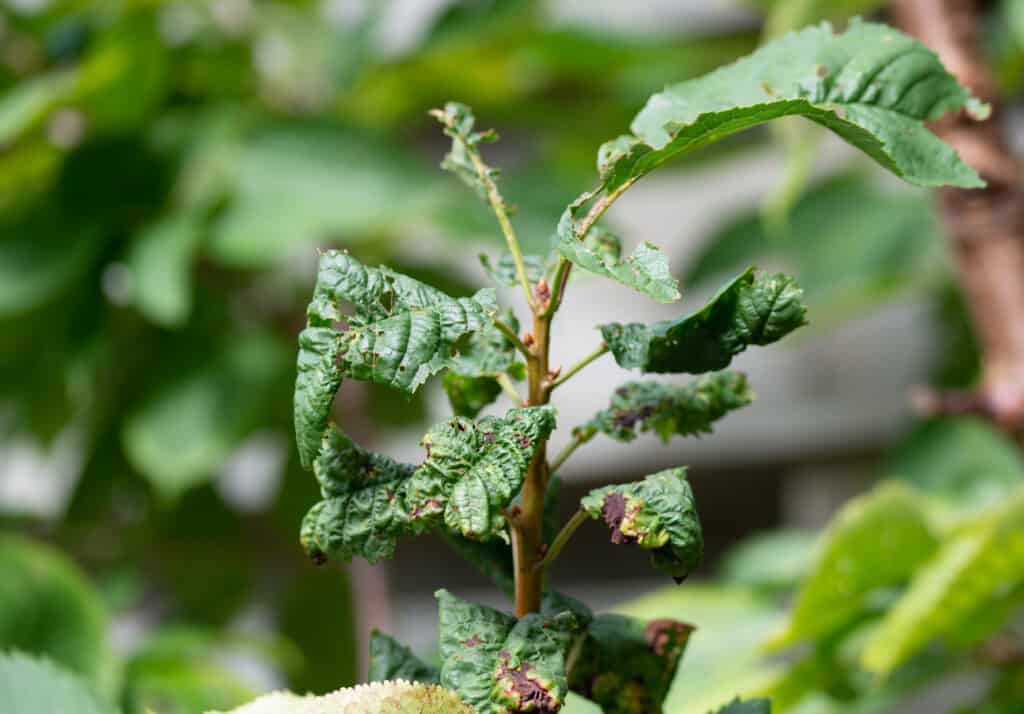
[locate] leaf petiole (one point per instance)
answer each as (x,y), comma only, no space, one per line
(599,352)
(562,538)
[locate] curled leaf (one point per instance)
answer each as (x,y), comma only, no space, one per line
(658,514)
(669,409)
(753,309)
(627,665)
(501,665)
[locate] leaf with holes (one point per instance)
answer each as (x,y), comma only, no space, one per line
(753,309)
(401,333)
(658,514)
(646,270)
(669,409)
(389,659)
(500,665)
(473,470)
(872,85)
(627,665)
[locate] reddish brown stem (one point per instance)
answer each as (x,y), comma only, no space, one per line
(985,227)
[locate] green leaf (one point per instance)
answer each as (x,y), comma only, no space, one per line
(363,511)
(473,470)
(469,395)
(962,460)
(374,698)
(646,270)
(492,558)
(183,432)
(471,473)
(402,331)
(500,665)
(657,513)
(48,608)
(26,104)
(968,573)
(872,85)
(669,409)
(318,377)
(504,271)
(37,686)
(389,659)
(471,382)
(160,261)
(753,309)
(458,121)
(750,706)
(627,665)
(773,560)
(857,558)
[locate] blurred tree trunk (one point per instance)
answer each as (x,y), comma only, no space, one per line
(985,227)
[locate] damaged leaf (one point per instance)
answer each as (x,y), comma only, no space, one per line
(471,382)
(669,409)
(657,513)
(626,666)
(646,270)
(389,659)
(503,272)
(872,85)
(469,395)
(458,121)
(753,309)
(317,381)
(500,665)
(473,470)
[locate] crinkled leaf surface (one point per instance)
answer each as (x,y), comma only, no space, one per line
(37,686)
(389,659)
(970,572)
(753,309)
(657,513)
(878,540)
(472,471)
(395,697)
(402,331)
(872,85)
(646,270)
(500,665)
(627,665)
(669,409)
(363,510)
(48,608)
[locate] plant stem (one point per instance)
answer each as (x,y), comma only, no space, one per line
(577,520)
(564,455)
(558,284)
(506,386)
(600,351)
(513,338)
(498,206)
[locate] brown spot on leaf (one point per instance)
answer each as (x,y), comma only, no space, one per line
(661,634)
(489,436)
(613,511)
(523,442)
(472,641)
(531,694)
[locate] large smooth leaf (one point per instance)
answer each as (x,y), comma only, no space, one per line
(669,409)
(969,574)
(390,659)
(658,514)
(48,608)
(37,686)
(627,665)
(877,540)
(160,261)
(472,471)
(774,560)
(872,85)
(753,309)
(501,665)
